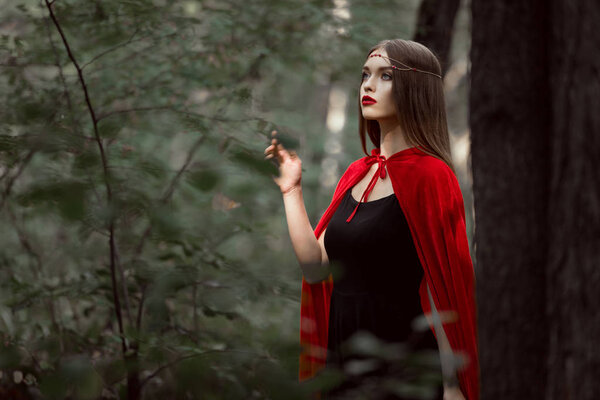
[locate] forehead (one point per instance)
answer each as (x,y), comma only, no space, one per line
(376,62)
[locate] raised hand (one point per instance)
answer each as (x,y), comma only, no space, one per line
(290,165)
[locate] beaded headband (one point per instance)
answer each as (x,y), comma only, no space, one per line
(408,68)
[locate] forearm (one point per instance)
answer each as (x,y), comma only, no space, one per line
(449,374)
(304,242)
(446,354)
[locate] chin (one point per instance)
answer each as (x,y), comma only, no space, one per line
(369,117)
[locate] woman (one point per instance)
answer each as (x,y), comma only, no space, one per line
(398,243)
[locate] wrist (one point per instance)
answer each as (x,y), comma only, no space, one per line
(451,382)
(291,190)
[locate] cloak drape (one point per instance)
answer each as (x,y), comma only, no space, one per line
(430,197)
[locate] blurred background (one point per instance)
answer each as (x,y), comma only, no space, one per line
(145,251)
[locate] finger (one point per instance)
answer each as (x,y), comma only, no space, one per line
(273,132)
(286,155)
(279,146)
(281,154)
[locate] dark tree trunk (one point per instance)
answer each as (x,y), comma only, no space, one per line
(534,78)
(510,123)
(435,23)
(134,387)
(574,203)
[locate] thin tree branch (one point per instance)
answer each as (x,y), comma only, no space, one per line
(11,63)
(105,171)
(67,94)
(138,323)
(11,179)
(124,288)
(62,76)
(163,200)
(169,191)
(37,272)
(133,54)
(116,47)
(175,110)
(187,357)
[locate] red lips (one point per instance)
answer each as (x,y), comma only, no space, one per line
(366,100)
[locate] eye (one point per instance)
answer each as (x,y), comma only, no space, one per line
(362,77)
(388,75)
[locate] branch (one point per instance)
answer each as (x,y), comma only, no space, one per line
(175,110)
(129,41)
(37,272)
(141,307)
(11,179)
(183,358)
(118,46)
(165,198)
(74,118)
(11,63)
(61,75)
(124,288)
(105,171)
(87,98)
(133,54)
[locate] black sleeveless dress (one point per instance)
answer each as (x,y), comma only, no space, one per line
(373,290)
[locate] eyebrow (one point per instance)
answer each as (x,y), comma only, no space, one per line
(378,69)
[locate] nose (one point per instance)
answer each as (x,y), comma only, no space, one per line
(368,85)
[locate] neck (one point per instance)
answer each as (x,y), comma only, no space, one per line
(392,138)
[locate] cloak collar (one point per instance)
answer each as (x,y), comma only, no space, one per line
(376,157)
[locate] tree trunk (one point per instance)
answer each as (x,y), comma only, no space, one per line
(435,23)
(574,203)
(536,196)
(134,387)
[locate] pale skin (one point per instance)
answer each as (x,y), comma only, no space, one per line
(310,251)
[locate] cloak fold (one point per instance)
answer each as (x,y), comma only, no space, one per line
(430,197)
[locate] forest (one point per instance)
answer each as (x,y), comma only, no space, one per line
(145,249)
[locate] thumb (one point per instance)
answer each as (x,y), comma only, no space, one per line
(283,153)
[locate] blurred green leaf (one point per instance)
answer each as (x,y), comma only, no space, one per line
(10,356)
(204,179)
(253,162)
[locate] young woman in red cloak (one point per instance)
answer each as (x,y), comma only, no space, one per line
(392,244)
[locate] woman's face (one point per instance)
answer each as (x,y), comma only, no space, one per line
(377,84)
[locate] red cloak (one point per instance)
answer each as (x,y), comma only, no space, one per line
(430,197)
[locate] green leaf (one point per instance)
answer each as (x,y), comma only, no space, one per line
(253,162)
(10,356)
(68,196)
(109,128)
(204,179)
(88,160)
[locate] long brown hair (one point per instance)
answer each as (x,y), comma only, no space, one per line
(419,101)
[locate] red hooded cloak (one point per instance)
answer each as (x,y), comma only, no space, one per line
(430,197)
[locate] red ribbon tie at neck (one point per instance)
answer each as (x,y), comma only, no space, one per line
(380,173)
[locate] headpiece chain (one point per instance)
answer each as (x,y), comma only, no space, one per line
(408,68)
